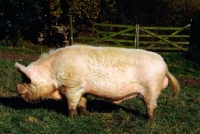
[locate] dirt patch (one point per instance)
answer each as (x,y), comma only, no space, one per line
(189,81)
(16,56)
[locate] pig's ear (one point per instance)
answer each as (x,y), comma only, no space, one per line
(23,70)
(18,66)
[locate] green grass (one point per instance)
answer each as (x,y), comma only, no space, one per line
(173,116)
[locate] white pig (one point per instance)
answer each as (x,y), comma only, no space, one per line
(115,74)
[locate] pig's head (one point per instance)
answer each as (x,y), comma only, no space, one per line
(38,83)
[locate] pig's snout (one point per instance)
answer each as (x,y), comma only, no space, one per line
(22,92)
(21,89)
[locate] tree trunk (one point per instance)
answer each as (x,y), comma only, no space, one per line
(194,47)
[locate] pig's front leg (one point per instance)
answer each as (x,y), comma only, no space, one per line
(75,100)
(82,106)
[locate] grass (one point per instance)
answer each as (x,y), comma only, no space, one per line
(180,116)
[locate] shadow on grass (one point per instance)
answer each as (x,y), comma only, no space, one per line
(99,106)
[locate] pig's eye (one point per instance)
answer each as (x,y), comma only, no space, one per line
(25,79)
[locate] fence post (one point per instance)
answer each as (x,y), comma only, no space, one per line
(71,40)
(137,36)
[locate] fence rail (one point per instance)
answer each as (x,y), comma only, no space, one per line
(149,38)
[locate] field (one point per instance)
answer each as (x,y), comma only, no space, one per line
(173,116)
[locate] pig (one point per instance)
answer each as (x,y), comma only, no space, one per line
(116,74)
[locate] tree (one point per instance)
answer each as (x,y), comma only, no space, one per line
(27,18)
(20,15)
(194,48)
(194,7)
(87,10)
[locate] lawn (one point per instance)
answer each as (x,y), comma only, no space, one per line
(180,116)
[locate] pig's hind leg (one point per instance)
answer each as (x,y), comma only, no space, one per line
(151,104)
(152,92)
(150,100)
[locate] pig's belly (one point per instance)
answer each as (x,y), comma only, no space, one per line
(114,84)
(114,92)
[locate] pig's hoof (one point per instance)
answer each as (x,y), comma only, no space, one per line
(72,113)
(82,110)
(150,117)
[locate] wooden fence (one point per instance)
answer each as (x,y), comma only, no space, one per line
(149,38)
